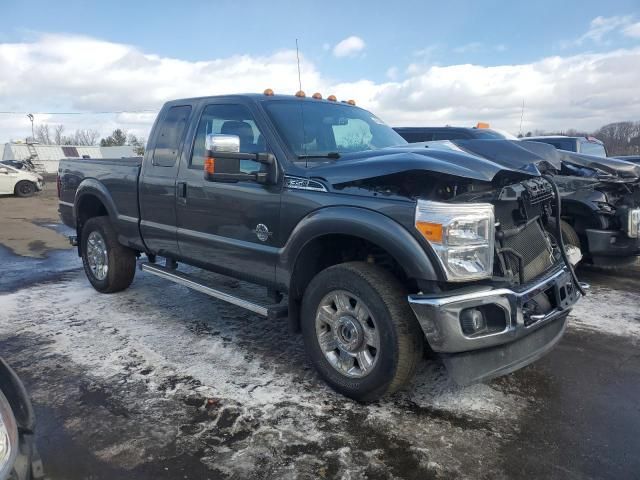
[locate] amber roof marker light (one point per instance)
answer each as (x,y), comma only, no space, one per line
(317,96)
(351,102)
(332,98)
(268,92)
(300,94)
(482,125)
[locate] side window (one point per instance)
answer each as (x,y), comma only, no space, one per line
(229,120)
(171,134)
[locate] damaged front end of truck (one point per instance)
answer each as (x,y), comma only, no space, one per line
(488,219)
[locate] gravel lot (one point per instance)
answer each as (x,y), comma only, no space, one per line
(162,382)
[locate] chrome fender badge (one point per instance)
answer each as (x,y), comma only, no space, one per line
(262,232)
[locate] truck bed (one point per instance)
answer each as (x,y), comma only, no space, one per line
(119,176)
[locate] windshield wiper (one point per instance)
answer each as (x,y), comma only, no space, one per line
(333,155)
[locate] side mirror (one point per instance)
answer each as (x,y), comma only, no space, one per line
(222,163)
(220,143)
(4,170)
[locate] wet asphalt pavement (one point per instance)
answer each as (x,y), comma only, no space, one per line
(161,382)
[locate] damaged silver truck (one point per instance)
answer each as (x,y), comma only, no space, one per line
(374,249)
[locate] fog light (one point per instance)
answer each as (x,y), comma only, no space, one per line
(472,321)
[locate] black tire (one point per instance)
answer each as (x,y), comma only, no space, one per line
(401,339)
(25,188)
(121,261)
(569,235)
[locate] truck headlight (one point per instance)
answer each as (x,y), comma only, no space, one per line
(633,227)
(8,438)
(462,236)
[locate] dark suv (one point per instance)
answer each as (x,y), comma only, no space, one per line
(585,145)
(429,134)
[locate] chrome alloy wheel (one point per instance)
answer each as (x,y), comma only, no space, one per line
(347,334)
(97,255)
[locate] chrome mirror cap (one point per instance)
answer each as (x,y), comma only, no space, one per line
(216,142)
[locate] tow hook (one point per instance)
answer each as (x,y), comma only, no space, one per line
(73,240)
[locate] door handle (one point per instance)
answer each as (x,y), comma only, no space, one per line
(182,189)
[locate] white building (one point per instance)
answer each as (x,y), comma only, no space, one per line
(47,157)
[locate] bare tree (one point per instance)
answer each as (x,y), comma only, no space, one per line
(43,135)
(86,136)
(58,134)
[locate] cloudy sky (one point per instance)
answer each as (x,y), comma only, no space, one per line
(574,64)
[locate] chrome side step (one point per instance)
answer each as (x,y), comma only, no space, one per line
(271,312)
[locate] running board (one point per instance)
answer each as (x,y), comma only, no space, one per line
(272,312)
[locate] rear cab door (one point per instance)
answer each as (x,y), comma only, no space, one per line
(157,185)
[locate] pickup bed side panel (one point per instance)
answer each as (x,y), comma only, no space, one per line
(112,182)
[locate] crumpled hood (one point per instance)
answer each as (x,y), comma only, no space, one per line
(475,159)
(621,169)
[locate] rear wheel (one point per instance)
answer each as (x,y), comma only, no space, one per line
(25,188)
(109,266)
(359,331)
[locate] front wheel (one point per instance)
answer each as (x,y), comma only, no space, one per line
(359,331)
(25,188)
(109,266)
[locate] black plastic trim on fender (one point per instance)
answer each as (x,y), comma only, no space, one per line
(91,186)
(358,222)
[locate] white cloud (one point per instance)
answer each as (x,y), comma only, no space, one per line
(349,47)
(69,73)
(632,30)
(392,73)
(600,27)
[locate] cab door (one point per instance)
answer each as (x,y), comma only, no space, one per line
(157,184)
(229,227)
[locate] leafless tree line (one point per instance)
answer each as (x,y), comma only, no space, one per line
(55,135)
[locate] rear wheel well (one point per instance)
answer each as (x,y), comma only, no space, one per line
(89,206)
(328,250)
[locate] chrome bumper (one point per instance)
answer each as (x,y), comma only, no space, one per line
(439,316)
(524,339)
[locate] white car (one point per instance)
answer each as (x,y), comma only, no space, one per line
(19,182)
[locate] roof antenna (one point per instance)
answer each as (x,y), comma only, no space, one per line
(521,116)
(298,58)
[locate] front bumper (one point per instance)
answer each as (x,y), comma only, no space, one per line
(524,337)
(608,243)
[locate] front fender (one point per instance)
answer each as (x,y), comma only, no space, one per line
(363,223)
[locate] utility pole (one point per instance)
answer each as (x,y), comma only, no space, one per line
(33,137)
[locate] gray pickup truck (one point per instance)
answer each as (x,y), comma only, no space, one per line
(373,248)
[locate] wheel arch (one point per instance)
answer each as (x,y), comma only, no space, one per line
(92,200)
(340,234)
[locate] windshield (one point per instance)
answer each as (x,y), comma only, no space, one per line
(320,129)
(487,134)
(593,148)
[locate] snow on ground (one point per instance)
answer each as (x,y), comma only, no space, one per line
(180,373)
(608,310)
(184,373)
